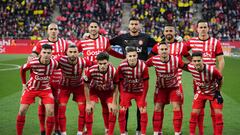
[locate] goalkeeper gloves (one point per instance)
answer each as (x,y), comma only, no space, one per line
(219,97)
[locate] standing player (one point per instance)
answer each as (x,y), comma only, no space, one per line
(208,82)
(38,86)
(133,84)
(72,67)
(95,43)
(167,88)
(59,46)
(100,80)
(139,40)
(212,52)
(176,48)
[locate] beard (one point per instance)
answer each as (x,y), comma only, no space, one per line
(169,37)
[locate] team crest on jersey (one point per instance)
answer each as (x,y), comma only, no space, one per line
(207,54)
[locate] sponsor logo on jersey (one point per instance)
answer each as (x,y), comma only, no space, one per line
(91,52)
(42,78)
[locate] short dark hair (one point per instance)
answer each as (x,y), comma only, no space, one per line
(169,25)
(162,43)
(202,21)
(197,54)
(103,56)
(134,19)
(72,46)
(130,49)
(46,46)
(93,21)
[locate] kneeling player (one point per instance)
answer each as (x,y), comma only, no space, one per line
(38,86)
(133,84)
(100,80)
(208,81)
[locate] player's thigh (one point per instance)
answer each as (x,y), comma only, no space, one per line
(49,109)
(46,97)
(159,107)
(216,107)
(199,101)
(78,94)
(162,96)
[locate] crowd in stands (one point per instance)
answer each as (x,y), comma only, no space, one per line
(224,18)
(25,19)
(29,18)
(76,15)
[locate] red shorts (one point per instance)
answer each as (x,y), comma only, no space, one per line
(200,100)
(78,94)
(167,95)
(28,97)
(55,86)
(105,97)
(126,97)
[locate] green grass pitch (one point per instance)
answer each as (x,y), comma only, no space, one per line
(10,92)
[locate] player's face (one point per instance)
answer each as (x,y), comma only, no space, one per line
(169,32)
(163,50)
(93,28)
(46,54)
(197,62)
(132,58)
(53,30)
(134,26)
(103,65)
(202,28)
(72,53)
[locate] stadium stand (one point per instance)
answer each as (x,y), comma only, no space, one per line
(26,19)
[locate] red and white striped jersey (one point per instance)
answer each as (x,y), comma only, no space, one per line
(39,74)
(72,73)
(176,49)
(101,81)
(132,78)
(210,48)
(92,47)
(206,80)
(59,48)
(166,72)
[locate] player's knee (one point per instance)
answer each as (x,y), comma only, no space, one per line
(62,104)
(218,111)
(196,111)
(22,112)
(158,107)
(176,106)
(50,112)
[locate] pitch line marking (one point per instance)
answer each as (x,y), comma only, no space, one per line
(12,67)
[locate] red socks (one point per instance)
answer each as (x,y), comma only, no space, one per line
(20,124)
(50,124)
(62,118)
(105,115)
(81,117)
(193,123)
(41,117)
(218,124)
(89,121)
(144,122)
(112,121)
(157,121)
(122,121)
(200,122)
(177,121)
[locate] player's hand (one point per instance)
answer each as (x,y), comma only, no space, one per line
(113,108)
(24,87)
(219,97)
(85,35)
(89,108)
(31,57)
(179,38)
